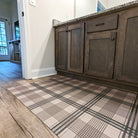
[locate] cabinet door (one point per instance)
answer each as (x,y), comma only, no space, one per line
(100,53)
(127,49)
(75,47)
(61,48)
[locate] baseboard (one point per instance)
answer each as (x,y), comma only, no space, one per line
(39,73)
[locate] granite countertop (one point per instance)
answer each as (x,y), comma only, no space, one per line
(110,10)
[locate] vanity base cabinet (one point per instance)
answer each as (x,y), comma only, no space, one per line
(103,47)
(127,48)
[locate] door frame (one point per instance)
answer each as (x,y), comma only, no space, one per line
(22,6)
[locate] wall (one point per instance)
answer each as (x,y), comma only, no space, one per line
(42,33)
(85,7)
(5,10)
(113,3)
(105,3)
(14,15)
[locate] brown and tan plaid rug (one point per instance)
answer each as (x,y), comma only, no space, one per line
(73,108)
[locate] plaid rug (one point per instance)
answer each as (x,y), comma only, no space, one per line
(78,109)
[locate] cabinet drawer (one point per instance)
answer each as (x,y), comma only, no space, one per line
(102,24)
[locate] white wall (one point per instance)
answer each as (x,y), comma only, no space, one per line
(105,3)
(85,7)
(42,33)
(5,10)
(113,3)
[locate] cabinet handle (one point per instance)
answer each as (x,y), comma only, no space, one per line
(100,24)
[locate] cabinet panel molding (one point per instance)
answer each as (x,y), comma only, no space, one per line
(100,54)
(61,48)
(127,48)
(76,47)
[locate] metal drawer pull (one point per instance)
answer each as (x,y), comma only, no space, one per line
(100,24)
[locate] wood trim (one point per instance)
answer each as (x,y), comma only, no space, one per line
(70,28)
(58,30)
(69,35)
(121,43)
(102,81)
(103,35)
(74,26)
(102,23)
(95,36)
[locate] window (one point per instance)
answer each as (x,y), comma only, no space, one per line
(17,31)
(100,7)
(3,40)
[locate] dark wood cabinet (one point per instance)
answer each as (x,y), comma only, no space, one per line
(102,47)
(70,47)
(127,49)
(75,47)
(61,48)
(100,53)
(104,23)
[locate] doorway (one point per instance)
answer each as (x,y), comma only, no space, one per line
(10,46)
(4,49)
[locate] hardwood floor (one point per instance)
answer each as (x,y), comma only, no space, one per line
(10,71)
(16,120)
